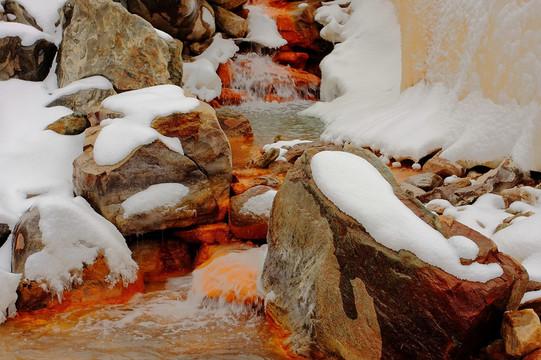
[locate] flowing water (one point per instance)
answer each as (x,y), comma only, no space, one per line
(167,322)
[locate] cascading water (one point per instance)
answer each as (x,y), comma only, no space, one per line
(175,319)
(262,79)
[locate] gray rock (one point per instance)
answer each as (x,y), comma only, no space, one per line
(426,181)
(4,233)
(412,190)
(506,176)
(101,37)
(84,101)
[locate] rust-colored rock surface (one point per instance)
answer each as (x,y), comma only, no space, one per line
(250,220)
(205,168)
(341,295)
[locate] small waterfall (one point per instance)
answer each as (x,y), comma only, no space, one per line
(261,79)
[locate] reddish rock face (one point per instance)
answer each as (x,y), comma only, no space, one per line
(93,290)
(247,224)
(341,295)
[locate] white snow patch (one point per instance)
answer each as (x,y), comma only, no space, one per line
(46,14)
(93,82)
(28,34)
(163,35)
(119,137)
(73,235)
(155,196)
(8,295)
(361,81)
(199,76)
(360,191)
(260,204)
(262,29)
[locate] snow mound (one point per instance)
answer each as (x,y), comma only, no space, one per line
(74,235)
(199,76)
(155,196)
(119,137)
(260,204)
(262,29)
(359,190)
(27,33)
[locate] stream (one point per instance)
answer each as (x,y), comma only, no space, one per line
(164,322)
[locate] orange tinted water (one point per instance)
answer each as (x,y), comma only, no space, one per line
(166,322)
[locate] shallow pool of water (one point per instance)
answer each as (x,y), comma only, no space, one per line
(161,324)
(271,119)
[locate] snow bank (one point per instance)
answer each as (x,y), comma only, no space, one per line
(121,136)
(476,80)
(360,191)
(73,235)
(199,76)
(521,239)
(155,196)
(46,15)
(260,204)
(27,33)
(262,29)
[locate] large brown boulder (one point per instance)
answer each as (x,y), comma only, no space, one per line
(101,37)
(204,169)
(183,19)
(339,294)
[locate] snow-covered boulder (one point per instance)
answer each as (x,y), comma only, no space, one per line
(356,269)
(100,37)
(165,164)
(66,252)
(249,212)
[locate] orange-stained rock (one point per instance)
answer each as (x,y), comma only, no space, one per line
(226,74)
(217,233)
(291,58)
(249,213)
(232,97)
(93,290)
(158,258)
(535,355)
(243,184)
(443,167)
(342,295)
(234,124)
